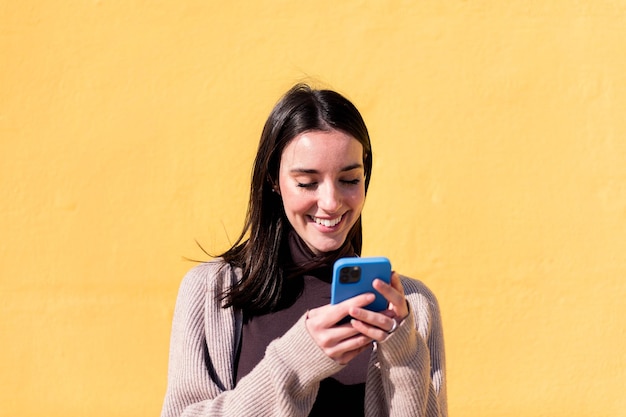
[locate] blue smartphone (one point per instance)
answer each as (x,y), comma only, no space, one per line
(354,276)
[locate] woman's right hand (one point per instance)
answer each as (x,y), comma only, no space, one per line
(340,342)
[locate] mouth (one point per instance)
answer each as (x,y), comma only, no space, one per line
(327,222)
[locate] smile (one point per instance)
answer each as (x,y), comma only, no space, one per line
(327,222)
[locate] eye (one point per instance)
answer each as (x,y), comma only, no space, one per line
(351,182)
(306,184)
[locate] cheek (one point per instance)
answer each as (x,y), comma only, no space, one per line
(295,203)
(357,199)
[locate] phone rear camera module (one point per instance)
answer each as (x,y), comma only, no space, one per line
(350,274)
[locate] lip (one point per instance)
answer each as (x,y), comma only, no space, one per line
(319,222)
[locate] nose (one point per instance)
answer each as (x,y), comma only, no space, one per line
(330,199)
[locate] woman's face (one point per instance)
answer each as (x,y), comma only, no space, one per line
(322,185)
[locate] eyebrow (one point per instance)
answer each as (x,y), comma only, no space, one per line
(314,171)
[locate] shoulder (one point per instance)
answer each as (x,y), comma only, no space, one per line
(416,288)
(212,277)
(424,305)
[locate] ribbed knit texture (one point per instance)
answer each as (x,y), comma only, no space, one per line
(406,373)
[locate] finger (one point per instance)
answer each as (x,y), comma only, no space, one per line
(349,344)
(376,333)
(372,318)
(337,346)
(396,283)
(329,315)
(394,293)
(386,320)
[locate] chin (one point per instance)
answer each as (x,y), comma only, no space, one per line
(324,247)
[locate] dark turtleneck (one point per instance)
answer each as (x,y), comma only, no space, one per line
(341,394)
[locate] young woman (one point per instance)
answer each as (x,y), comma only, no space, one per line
(253,331)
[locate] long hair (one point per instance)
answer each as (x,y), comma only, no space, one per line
(261,249)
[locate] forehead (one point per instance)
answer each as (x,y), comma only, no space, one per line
(332,149)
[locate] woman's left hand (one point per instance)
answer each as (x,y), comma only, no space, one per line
(379,325)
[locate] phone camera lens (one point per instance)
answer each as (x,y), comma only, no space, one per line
(350,275)
(355,272)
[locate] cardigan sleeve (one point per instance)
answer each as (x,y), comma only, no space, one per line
(407,374)
(202,352)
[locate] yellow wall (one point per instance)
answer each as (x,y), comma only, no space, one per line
(128,128)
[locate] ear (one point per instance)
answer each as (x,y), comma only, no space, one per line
(273,184)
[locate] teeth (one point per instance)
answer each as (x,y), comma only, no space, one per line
(327,222)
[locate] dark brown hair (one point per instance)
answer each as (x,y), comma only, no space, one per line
(260,250)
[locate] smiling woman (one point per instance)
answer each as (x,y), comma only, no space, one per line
(253,331)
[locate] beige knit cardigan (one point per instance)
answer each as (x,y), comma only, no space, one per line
(406,372)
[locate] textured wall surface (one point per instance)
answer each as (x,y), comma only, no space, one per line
(127,132)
